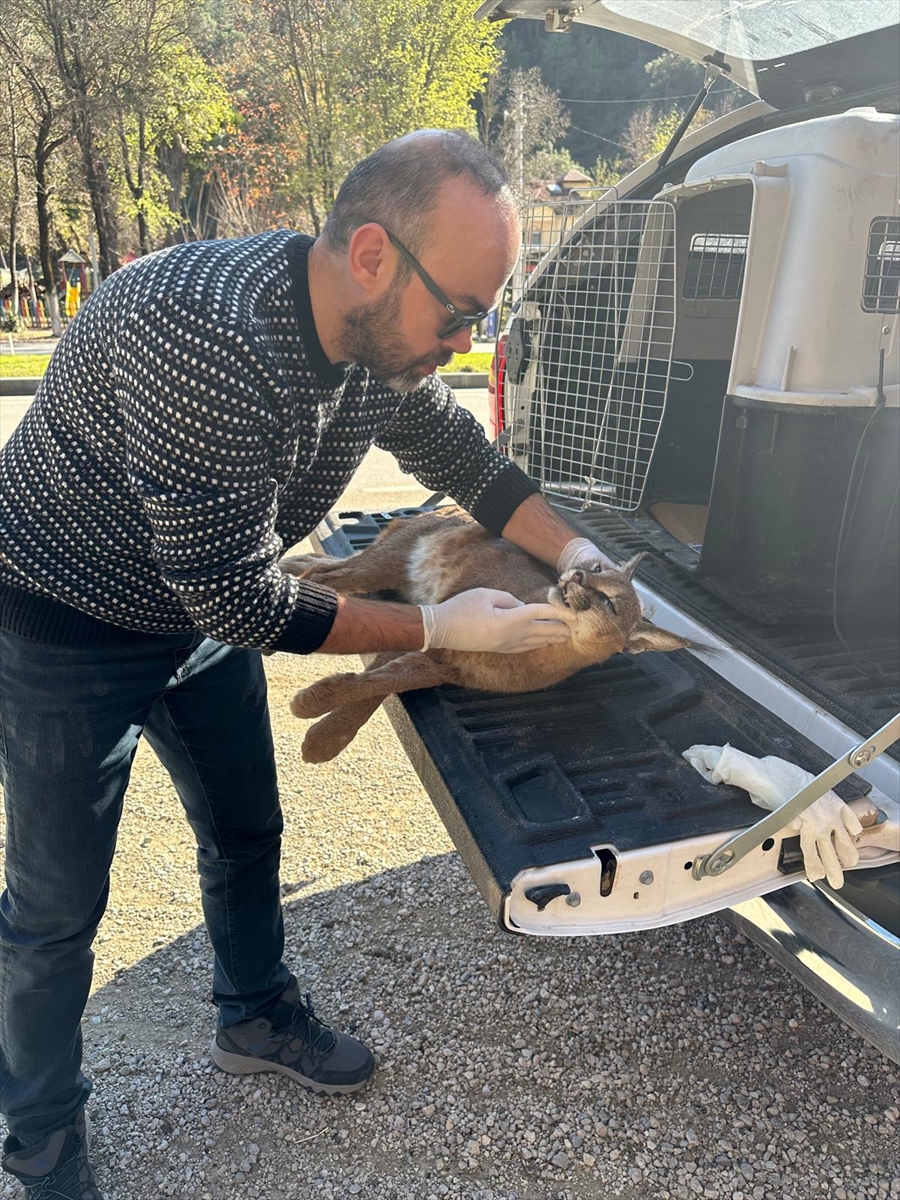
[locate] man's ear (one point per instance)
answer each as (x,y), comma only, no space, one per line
(650,637)
(628,568)
(370,260)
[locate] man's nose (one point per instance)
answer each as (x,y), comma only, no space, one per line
(460,342)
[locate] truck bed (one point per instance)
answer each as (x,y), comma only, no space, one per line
(862,691)
(526,781)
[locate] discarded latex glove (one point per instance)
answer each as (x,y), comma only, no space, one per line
(579,552)
(826,828)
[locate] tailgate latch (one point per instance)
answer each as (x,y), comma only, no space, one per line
(545,892)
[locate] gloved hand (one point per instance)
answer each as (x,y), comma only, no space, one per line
(579,552)
(826,827)
(484,619)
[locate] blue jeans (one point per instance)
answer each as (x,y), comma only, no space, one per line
(70,721)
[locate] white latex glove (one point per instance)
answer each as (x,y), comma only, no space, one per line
(826,828)
(581,553)
(484,619)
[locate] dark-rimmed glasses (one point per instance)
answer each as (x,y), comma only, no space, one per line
(459,320)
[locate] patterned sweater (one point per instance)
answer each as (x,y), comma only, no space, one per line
(189,428)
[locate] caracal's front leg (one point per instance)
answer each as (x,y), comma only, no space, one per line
(352,576)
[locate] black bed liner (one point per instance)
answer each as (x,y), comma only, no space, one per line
(531,780)
(807,657)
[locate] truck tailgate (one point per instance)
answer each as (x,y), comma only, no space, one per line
(572,807)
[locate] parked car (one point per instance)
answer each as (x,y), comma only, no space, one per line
(705,366)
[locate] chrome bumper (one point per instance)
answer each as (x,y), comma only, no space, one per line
(845,959)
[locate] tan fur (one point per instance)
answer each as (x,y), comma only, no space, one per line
(427,559)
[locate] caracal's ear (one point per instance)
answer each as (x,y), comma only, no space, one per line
(628,569)
(649,637)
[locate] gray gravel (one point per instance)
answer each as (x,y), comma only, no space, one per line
(678,1063)
(672,1064)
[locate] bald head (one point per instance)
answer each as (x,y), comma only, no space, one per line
(401,185)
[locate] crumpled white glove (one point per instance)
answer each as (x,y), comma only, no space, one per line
(580,552)
(484,619)
(826,827)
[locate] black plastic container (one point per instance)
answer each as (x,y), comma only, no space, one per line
(780,486)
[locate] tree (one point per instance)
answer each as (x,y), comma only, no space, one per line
(85,37)
(42,105)
(528,119)
(651,127)
(15,198)
(593,72)
(343,79)
(170,105)
(551,165)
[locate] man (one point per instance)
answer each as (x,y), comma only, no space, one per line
(203,412)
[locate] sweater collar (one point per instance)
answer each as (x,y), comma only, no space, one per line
(329,373)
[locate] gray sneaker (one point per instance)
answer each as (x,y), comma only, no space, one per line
(294,1042)
(56,1167)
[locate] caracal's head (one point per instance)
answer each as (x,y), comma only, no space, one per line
(604,613)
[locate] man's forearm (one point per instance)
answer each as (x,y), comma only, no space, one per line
(366,626)
(537,528)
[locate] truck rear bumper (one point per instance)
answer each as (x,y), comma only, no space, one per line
(846,960)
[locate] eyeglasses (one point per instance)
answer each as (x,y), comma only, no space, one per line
(459,319)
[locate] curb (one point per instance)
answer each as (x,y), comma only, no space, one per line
(454,379)
(464,379)
(19,387)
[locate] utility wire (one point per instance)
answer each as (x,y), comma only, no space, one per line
(637,100)
(598,137)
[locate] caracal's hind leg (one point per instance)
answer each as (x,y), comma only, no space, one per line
(394,671)
(337,729)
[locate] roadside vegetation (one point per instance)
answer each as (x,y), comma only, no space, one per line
(131,126)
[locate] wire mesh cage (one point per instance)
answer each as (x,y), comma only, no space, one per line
(589,354)
(881,287)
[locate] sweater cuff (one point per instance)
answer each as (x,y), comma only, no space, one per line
(502,497)
(310,623)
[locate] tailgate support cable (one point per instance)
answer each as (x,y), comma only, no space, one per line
(734,849)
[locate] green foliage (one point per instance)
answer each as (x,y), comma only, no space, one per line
(476,360)
(551,164)
(603,79)
(178,101)
(318,86)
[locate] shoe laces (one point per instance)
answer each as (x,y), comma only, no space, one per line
(305,1024)
(61,1180)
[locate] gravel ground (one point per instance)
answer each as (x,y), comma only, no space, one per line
(676,1063)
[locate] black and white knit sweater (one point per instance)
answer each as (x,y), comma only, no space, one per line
(188,429)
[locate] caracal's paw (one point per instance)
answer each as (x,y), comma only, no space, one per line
(306,564)
(326,739)
(320,698)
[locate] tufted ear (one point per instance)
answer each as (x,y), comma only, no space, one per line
(650,637)
(628,568)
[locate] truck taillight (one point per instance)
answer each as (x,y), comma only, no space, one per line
(496,380)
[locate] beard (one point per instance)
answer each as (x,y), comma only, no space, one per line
(372,338)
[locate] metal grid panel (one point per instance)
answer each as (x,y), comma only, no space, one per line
(881,289)
(601,317)
(715,266)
